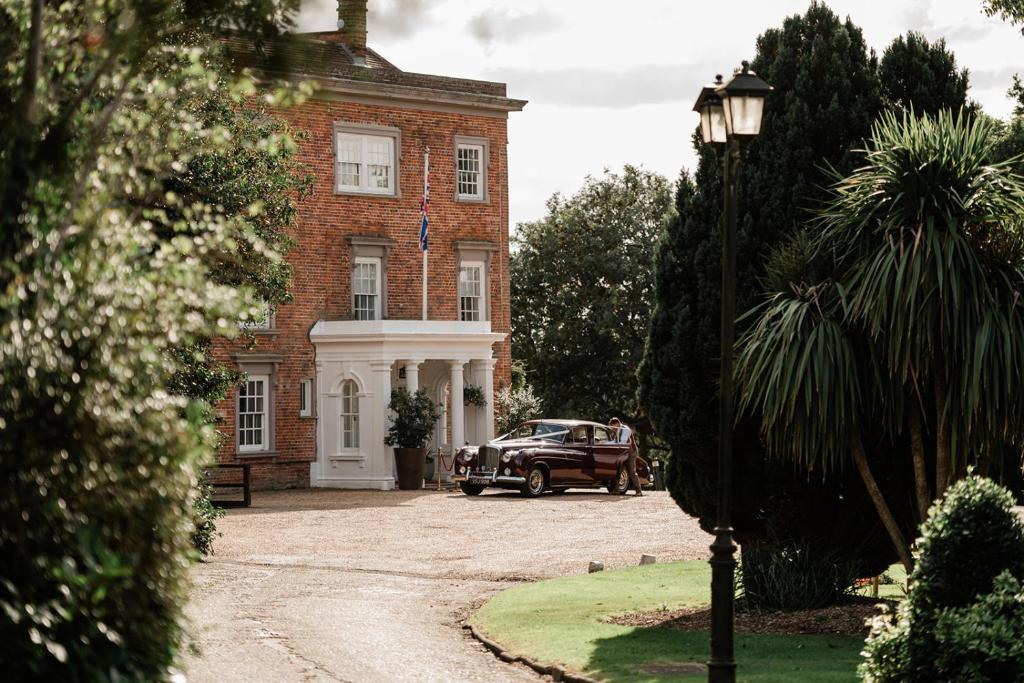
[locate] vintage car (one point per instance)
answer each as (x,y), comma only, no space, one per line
(554,455)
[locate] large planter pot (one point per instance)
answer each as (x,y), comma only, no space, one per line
(410,463)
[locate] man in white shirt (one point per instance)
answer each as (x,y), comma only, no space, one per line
(623,434)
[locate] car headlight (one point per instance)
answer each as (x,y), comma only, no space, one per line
(507,471)
(461,469)
(508,455)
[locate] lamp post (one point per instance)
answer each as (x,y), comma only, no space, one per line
(730,113)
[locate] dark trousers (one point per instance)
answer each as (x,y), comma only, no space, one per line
(631,464)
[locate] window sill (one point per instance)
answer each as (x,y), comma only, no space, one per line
(363,193)
(347,457)
(247,455)
(472,200)
(307,417)
(262,332)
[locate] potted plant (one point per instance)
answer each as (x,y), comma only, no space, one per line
(412,423)
(472,395)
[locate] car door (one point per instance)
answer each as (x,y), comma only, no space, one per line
(576,453)
(606,455)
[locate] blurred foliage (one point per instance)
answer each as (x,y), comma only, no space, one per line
(106,274)
(204,519)
(582,292)
(963,619)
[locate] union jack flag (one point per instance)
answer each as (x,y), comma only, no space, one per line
(425,202)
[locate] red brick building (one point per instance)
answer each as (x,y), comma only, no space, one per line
(313,410)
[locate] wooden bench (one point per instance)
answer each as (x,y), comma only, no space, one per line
(216,484)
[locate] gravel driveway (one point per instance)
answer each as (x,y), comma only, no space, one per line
(327,585)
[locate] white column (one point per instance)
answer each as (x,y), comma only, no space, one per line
(318,466)
(487,380)
(458,439)
(412,375)
(382,461)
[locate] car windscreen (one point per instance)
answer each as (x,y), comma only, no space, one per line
(549,432)
(536,430)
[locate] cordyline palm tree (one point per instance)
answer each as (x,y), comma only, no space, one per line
(898,313)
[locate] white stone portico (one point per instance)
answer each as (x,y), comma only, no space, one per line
(358,362)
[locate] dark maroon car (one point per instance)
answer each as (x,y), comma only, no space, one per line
(553,455)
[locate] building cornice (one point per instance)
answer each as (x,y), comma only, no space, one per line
(430,98)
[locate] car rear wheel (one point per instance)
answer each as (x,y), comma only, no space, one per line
(620,484)
(471,489)
(535,482)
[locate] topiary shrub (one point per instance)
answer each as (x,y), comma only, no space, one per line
(960,621)
(985,640)
(791,576)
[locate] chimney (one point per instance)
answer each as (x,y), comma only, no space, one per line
(352,24)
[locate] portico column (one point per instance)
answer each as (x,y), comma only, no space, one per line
(458,439)
(487,365)
(412,375)
(382,462)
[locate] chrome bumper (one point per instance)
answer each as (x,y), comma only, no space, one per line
(491,478)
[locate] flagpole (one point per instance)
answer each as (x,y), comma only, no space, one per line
(423,235)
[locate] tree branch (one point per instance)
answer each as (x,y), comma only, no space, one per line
(921,491)
(902,549)
(943,460)
(33,64)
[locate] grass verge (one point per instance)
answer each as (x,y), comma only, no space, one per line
(559,621)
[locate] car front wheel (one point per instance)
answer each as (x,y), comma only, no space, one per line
(534,483)
(471,489)
(620,484)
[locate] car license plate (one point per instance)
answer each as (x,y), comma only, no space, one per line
(479,480)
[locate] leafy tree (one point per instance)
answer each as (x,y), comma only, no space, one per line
(826,95)
(103,272)
(915,74)
(902,318)
(582,290)
(1008,10)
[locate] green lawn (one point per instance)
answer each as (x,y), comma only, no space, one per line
(559,621)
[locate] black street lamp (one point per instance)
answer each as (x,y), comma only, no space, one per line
(729,114)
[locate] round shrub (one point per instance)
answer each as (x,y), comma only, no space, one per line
(963,619)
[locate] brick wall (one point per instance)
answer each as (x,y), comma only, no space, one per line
(321,258)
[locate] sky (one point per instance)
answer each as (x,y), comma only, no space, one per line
(613,83)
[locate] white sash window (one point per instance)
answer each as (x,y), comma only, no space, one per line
(366,289)
(349,415)
(469,171)
(252,414)
(471,287)
(365,163)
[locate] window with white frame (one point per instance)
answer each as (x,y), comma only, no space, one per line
(366,289)
(306,398)
(471,287)
(469,171)
(349,415)
(262,319)
(364,163)
(252,414)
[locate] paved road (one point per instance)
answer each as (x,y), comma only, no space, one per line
(360,586)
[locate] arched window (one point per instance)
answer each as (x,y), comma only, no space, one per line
(349,415)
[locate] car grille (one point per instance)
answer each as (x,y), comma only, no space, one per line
(488,457)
